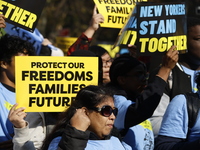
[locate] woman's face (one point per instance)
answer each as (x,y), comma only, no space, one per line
(100,124)
(107,61)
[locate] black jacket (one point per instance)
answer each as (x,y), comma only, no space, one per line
(145,103)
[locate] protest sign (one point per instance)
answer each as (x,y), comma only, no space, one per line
(115,12)
(22,13)
(65,42)
(50,84)
(160,26)
(128,33)
(155,27)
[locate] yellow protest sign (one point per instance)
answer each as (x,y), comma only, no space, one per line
(50,84)
(155,27)
(65,42)
(115,12)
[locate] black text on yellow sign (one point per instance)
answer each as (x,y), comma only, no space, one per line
(121,17)
(52,85)
(17,14)
(115,12)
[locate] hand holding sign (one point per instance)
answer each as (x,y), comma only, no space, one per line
(170,58)
(96,19)
(169,61)
(94,23)
(2,21)
(16,116)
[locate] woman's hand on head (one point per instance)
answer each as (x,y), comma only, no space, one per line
(80,120)
(16,116)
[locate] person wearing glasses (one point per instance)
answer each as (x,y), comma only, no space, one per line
(87,123)
(106,61)
(10,46)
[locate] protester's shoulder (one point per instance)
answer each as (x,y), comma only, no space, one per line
(7,90)
(122,103)
(1,88)
(120,99)
(178,100)
(35,114)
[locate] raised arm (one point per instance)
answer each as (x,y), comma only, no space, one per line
(94,23)
(83,42)
(147,102)
(169,62)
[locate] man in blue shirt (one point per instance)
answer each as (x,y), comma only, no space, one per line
(174,132)
(10,46)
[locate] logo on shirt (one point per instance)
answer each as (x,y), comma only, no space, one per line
(8,105)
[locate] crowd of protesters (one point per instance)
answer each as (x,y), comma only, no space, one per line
(128,109)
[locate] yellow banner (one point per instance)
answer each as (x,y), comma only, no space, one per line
(65,42)
(50,84)
(115,12)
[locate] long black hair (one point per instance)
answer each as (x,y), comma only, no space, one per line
(88,97)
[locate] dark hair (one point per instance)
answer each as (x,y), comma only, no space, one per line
(121,66)
(98,50)
(11,45)
(192,21)
(82,53)
(88,97)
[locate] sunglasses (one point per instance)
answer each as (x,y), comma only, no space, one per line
(106,110)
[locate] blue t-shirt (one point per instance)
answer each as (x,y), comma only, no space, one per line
(139,136)
(175,120)
(112,144)
(122,104)
(7,100)
(192,73)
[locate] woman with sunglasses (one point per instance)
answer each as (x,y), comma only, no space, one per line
(87,123)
